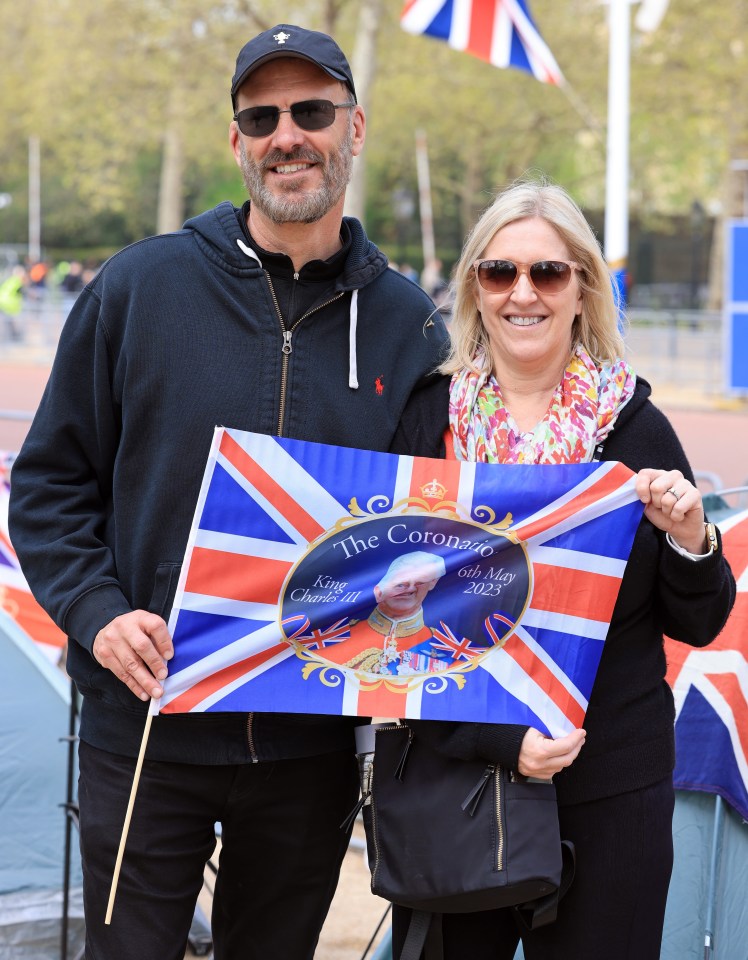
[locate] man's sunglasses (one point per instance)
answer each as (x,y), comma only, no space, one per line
(546,276)
(307,114)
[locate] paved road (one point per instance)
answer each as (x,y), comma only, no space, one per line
(21,386)
(715,436)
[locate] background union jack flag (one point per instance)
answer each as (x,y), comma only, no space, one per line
(501,32)
(16,600)
(710,687)
(571,532)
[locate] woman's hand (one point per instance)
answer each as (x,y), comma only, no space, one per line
(673,504)
(541,757)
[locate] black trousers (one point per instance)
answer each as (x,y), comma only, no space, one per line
(615,907)
(280,854)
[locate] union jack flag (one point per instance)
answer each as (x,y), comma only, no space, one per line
(6,462)
(458,649)
(269,564)
(298,628)
(710,687)
(16,599)
(501,32)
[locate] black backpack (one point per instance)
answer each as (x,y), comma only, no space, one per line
(446,835)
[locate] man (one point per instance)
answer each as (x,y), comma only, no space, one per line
(279,318)
(394,638)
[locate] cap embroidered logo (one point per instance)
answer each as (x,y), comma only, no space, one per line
(281,37)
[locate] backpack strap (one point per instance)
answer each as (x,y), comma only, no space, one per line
(540,912)
(424,938)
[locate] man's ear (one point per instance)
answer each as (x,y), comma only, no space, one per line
(359,130)
(235,139)
(378,594)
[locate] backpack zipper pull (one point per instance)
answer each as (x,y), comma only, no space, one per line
(400,769)
(471,801)
(346,825)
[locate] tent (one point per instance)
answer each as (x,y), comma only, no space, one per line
(34,718)
(36,881)
(41,895)
(707,909)
(707,913)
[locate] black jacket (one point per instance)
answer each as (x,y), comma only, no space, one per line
(178,334)
(629,722)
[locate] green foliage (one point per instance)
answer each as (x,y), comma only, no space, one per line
(96,81)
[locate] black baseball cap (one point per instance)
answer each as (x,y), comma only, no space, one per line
(286,40)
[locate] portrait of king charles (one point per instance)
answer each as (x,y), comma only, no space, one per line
(395,639)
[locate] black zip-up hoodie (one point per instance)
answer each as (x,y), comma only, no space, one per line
(178,334)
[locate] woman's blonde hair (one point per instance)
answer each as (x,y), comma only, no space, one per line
(595,328)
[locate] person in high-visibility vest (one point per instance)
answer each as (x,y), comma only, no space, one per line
(11,302)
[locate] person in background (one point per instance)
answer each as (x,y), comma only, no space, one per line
(410,272)
(37,279)
(280,318)
(72,282)
(433,282)
(539,377)
(11,304)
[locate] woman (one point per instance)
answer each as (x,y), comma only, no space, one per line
(538,377)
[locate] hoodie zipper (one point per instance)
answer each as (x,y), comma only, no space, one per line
(286,349)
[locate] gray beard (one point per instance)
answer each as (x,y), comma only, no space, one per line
(297,206)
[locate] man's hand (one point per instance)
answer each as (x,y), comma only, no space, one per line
(135,647)
(541,757)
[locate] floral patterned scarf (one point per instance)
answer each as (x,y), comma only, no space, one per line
(581,414)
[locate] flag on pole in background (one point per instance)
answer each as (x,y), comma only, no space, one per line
(501,32)
(710,687)
(278,603)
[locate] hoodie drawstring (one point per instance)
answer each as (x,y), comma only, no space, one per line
(248,251)
(353,324)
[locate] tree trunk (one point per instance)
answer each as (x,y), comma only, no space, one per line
(170,193)
(364,69)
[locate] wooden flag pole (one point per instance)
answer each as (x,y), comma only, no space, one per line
(128,818)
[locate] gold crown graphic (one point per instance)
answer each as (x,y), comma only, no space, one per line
(433,490)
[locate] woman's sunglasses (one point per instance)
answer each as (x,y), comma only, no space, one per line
(546,276)
(307,114)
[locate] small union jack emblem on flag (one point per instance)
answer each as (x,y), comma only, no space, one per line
(460,649)
(298,629)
